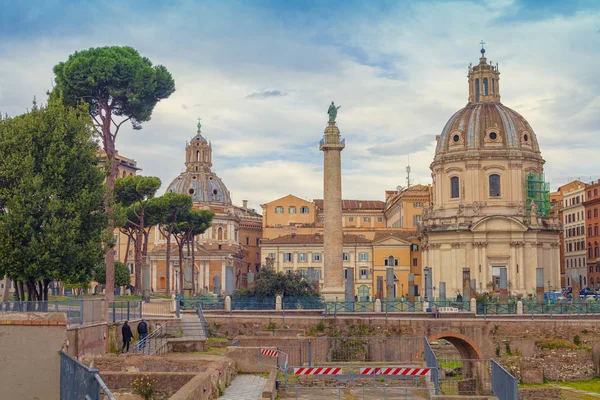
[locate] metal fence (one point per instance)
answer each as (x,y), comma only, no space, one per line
(302,303)
(358,393)
(77,381)
(125,310)
(78,311)
(356,349)
(461,377)
(504,385)
(535,308)
(253,303)
(431,362)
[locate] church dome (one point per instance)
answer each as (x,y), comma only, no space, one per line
(485,123)
(202,186)
(486,126)
(199,181)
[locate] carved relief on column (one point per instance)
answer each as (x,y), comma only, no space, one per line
(537,244)
(479,244)
(435,246)
(517,244)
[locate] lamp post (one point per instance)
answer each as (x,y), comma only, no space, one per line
(176,269)
(549,285)
(402,285)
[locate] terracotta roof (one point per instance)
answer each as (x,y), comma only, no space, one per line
(316,238)
(355,204)
(404,235)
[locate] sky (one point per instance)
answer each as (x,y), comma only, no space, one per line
(262,73)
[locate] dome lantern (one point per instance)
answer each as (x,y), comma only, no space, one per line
(484,81)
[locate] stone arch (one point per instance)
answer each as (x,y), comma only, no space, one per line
(466,346)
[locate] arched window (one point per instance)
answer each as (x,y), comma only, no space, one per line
(454,187)
(589,250)
(197,155)
(477,90)
(390,261)
(494,183)
(485,86)
(493,85)
(124,174)
(219,233)
(596,251)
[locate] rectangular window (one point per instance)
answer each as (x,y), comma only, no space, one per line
(346,256)
(454,188)
(364,256)
(317,257)
(589,214)
(289,270)
(418,204)
(317,274)
(589,231)
(302,257)
(304,210)
(321,219)
(367,219)
(415,262)
(288,257)
(303,272)
(350,219)
(257,241)
(345,273)
(278,210)
(595,213)
(416,220)
(379,219)
(247,241)
(292,210)
(596,230)
(364,273)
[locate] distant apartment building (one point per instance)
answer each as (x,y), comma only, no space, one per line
(575,235)
(592,220)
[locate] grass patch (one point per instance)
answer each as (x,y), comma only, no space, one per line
(592,385)
(450,364)
(557,343)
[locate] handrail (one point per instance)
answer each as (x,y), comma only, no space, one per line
(104,387)
(202,319)
(156,335)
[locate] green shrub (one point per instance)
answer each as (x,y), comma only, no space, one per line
(555,344)
(320,326)
(508,352)
(577,340)
(497,351)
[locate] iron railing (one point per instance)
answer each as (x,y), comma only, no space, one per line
(504,385)
(464,377)
(125,310)
(153,344)
(253,303)
(78,311)
(431,362)
(77,381)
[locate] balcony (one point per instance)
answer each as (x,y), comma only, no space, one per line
(332,142)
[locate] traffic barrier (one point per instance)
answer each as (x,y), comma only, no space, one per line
(269,352)
(370,371)
(317,371)
(405,371)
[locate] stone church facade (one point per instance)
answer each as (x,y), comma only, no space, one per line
(490,213)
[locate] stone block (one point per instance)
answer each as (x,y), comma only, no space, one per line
(532,375)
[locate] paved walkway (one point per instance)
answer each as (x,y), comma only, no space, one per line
(245,387)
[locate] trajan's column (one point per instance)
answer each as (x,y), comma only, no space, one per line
(332,146)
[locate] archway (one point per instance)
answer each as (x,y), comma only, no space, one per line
(462,369)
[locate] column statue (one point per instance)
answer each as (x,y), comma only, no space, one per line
(332,111)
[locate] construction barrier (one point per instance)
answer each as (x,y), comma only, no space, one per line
(318,371)
(396,371)
(269,352)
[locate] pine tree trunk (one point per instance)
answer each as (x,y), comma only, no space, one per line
(193,263)
(127,250)
(168,266)
(181,269)
(139,238)
(6,292)
(111,174)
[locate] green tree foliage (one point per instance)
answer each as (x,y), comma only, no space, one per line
(133,193)
(118,85)
(270,283)
(122,276)
(51,199)
(168,210)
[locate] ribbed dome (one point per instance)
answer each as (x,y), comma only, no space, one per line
(486,125)
(203,186)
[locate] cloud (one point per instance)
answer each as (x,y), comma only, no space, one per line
(396,68)
(265,94)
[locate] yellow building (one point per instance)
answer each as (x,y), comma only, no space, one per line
(404,208)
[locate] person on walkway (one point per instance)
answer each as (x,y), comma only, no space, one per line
(127,336)
(142,329)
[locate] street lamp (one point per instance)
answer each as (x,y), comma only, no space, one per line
(549,285)
(176,269)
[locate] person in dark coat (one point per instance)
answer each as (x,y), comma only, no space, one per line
(142,330)
(127,336)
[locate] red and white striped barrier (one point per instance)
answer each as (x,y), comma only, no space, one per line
(370,371)
(269,352)
(318,371)
(406,371)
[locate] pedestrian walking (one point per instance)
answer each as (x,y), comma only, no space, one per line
(142,330)
(127,336)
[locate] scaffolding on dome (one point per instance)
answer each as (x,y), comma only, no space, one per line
(538,190)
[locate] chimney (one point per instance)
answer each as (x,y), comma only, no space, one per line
(245,204)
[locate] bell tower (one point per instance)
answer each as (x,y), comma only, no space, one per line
(484,81)
(198,153)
